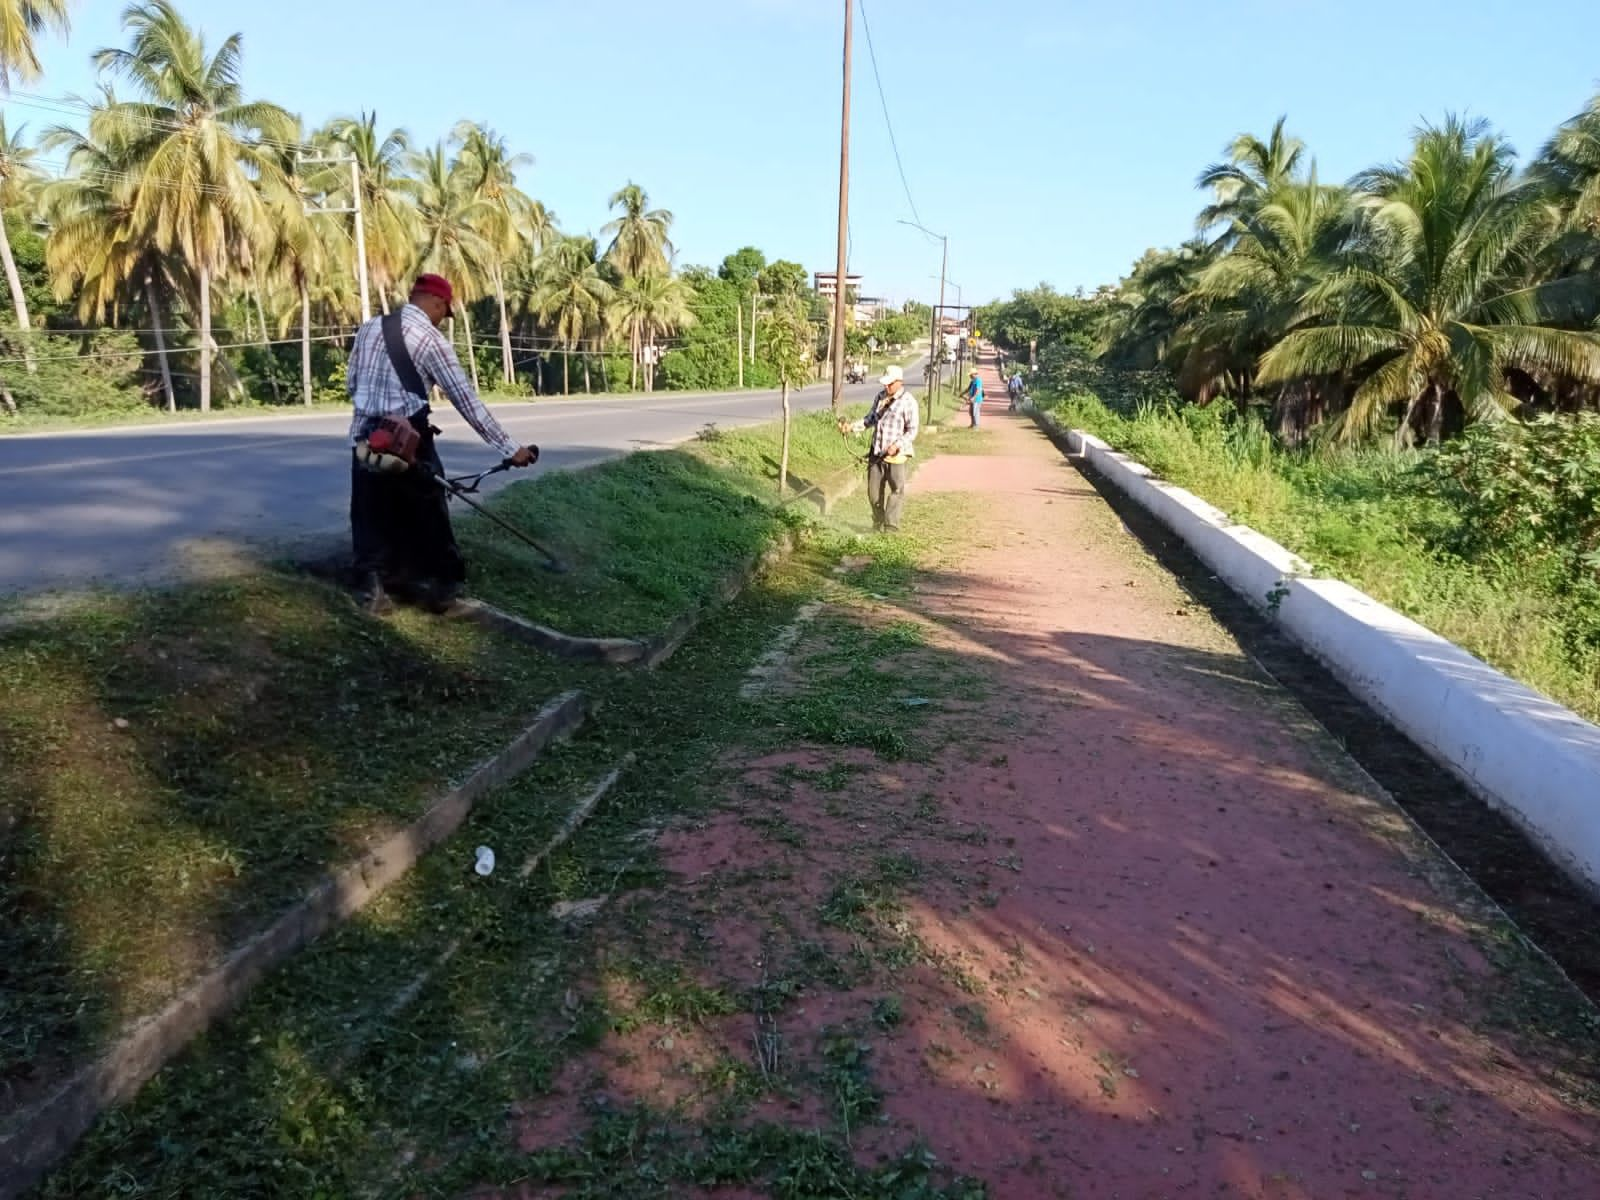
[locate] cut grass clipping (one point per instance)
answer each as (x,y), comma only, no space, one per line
(177,767)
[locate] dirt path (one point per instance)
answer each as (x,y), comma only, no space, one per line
(1036,880)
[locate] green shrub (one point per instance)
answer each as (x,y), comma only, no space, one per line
(77,375)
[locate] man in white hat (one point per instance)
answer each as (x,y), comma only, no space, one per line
(894,422)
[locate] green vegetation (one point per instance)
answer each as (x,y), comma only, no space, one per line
(179,766)
(1491,542)
(1424,296)
(649,536)
(197,249)
(383,1060)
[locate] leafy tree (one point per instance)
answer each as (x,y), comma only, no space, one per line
(787,343)
(783,278)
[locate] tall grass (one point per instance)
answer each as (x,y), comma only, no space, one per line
(1379,519)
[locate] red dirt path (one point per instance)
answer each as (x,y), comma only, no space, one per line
(1187,949)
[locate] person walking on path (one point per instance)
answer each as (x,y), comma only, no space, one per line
(974,397)
(399,522)
(895,422)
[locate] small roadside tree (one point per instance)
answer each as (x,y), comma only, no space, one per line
(787,340)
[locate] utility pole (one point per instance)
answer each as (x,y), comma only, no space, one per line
(738,339)
(361,239)
(305,160)
(935,375)
(844,220)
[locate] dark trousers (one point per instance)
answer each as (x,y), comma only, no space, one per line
(886,492)
(400,523)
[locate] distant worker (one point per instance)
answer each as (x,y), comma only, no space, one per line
(895,422)
(398,518)
(974,397)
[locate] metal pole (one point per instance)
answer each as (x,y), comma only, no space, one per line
(944,261)
(844,219)
(361,241)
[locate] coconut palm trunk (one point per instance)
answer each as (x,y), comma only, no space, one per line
(18,300)
(472,359)
(205,338)
(506,370)
(566,371)
(272,365)
(305,341)
(157,322)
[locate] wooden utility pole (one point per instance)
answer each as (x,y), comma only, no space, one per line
(844,220)
(738,338)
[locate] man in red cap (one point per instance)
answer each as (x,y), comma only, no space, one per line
(398,518)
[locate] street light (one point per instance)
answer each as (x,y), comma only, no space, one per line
(933,330)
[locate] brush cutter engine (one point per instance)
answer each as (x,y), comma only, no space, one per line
(389,447)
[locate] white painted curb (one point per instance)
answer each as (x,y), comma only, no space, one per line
(1520,751)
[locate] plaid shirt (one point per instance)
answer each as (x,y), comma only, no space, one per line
(376,391)
(893,421)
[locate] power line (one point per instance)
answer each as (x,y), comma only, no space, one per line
(883,100)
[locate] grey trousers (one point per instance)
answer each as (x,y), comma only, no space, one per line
(886,492)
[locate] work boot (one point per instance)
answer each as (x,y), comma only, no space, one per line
(435,595)
(371,596)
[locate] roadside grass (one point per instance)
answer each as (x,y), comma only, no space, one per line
(385,1058)
(648,536)
(1361,516)
(177,766)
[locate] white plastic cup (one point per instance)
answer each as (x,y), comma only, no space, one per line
(485,861)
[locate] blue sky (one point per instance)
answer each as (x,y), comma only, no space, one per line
(1051,141)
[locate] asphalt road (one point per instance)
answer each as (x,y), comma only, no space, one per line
(128,506)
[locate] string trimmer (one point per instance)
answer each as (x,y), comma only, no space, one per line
(462,488)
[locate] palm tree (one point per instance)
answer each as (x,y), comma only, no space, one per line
(1569,167)
(20,21)
(1249,299)
(295,250)
(509,218)
(451,222)
(194,148)
(1254,170)
(570,294)
(93,250)
(645,307)
(386,199)
(639,241)
(19,188)
(1438,302)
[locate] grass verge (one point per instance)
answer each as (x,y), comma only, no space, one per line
(180,765)
(650,536)
(1364,516)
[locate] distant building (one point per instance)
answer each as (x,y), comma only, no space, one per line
(827,282)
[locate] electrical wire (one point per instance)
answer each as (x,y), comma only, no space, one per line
(883,100)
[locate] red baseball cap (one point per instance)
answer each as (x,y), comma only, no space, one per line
(434,285)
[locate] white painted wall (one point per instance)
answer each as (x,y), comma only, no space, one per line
(1520,751)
